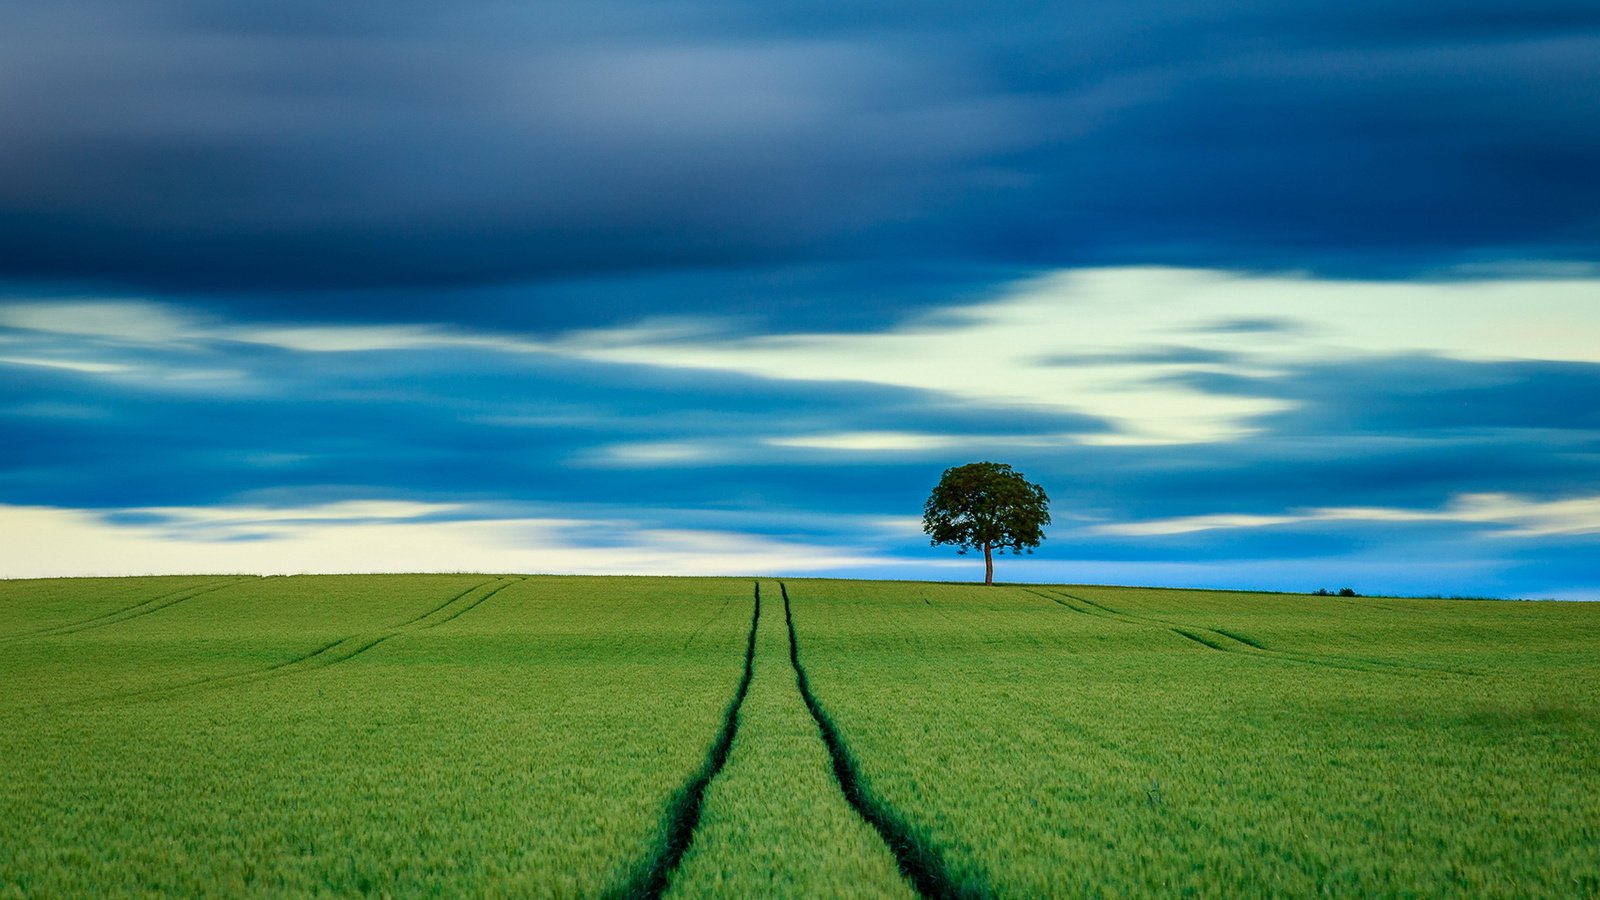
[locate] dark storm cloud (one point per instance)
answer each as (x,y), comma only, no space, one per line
(383,157)
(192,146)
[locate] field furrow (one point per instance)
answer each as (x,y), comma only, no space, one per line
(471,605)
(322,655)
(1100,754)
(775,823)
(1431,635)
(527,749)
(1208,638)
(918,860)
(444,605)
(35,605)
(331,653)
(1230,642)
(653,875)
(1222,641)
(634,737)
(348,648)
(145,608)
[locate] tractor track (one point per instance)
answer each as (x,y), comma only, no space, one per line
(325,656)
(1210,639)
(126,613)
(473,605)
(920,862)
(653,875)
(1224,641)
(1360,664)
(446,603)
(322,657)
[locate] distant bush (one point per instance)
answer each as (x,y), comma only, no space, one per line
(1321,592)
(1348,592)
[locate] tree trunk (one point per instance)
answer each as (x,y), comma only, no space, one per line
(988,563)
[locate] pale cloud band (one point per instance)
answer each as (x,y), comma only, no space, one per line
(1502,514)
(1152,398)
(403,536)
(1109,342)
(1113,344)
(378,536)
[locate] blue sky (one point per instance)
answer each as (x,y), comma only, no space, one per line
(1273,295)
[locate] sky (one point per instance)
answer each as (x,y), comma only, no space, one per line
(1266,295)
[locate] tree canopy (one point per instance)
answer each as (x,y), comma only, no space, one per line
(988,505)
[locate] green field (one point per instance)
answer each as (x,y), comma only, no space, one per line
(448,735)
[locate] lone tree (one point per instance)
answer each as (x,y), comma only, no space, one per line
(988,505)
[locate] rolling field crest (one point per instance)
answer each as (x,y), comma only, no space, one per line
(645,737)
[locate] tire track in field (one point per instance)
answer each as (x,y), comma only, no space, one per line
(920,861)
(653,875)
(1211,639)
(322,657)
(1225,641)
(453,599)
(127,613)
(471,606)
(17,635)
(1344,662)
(348,647)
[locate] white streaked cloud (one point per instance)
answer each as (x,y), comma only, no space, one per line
(134,321)
(819,448)
(224,522)
(143,324)
(1506,515)
(381,537)
(71,365)
(371,338)
(910,442)
(647,454)
(1109,342)
(869,441)
(1113,344)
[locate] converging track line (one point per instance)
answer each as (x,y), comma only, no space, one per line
(921,863)
(652,877)
(1227,642)
(126,613)
(470,606)
(1234,644)
(324,656)
(445,603)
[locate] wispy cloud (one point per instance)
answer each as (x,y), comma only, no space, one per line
(381,536)
(876,441)
(1080,342)
(1411,411)
(70,365)
(1501,514)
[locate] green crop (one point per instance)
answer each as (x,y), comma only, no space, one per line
(56,605)
(529,745)
(446,735)
(775,824)
(1101,741)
